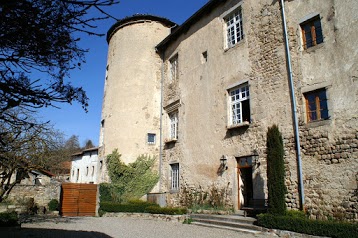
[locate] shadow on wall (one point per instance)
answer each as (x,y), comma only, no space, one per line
(259,186)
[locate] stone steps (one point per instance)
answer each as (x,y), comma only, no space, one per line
(229,222)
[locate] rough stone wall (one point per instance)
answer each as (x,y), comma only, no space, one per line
(42,194)
(328,148)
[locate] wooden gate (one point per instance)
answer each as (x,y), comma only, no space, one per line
(78,199)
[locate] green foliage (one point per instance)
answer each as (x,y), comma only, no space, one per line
(295,213)
(130,206)
(300,224)
(8,219)
(275,172)
(140,207)
(53,205)
(130,181)
(166,210)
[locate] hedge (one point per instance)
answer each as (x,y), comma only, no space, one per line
(8,219)
(166,210)
(140,207)
(308,226)
(132,206)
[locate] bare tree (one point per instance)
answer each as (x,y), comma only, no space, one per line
(38,49)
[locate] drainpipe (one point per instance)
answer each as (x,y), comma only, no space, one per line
(294,108)
(161,125)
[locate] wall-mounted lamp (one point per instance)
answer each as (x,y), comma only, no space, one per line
(223,162)
(255,157)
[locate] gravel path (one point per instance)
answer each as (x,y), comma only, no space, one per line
(105,227)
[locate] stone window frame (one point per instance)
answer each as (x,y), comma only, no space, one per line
(173,68)
(237,91)
(310,88)
(235,15)
(311,25)
(172,110)
(173,127)
(151,138)
(319,99)
(174,177)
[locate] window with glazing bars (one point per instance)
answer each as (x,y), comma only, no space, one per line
(312,32)
(240,104)
(173,67)
(234,28)
(174,176)
(316,105)
(173,129)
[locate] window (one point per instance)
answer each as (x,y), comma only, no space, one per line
(78,174)
(174,176)
(173,128)
(234,29)
(87,171)
(312,32)
(92,171)
(173,67)
(151,138)
(316,105)
(239,105)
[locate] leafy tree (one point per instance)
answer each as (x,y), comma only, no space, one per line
(275,171)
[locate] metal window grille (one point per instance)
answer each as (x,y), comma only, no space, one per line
(235,32)
(237,97)
(175,177)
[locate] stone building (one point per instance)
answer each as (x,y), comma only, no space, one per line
(86,167)
(209,89)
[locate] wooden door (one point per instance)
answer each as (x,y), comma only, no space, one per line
(78,199)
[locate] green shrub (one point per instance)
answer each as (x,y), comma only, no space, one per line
(128,181)
(165,210)
(53,205)
(132,206)
(275,172)
(8,219)
(307,226)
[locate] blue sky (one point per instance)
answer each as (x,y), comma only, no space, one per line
(72,119)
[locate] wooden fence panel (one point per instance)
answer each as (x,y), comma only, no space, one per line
(78,199)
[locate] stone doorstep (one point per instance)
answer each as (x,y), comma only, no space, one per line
(228,221)
(242,224)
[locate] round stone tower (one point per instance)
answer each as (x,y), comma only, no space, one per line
(132,91)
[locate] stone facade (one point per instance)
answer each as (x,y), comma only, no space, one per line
(209,152)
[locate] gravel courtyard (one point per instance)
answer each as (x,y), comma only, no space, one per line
(106,227)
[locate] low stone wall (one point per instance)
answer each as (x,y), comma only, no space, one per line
(162,217)
(13,208)
(42,194)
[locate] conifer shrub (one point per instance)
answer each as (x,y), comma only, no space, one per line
(275,172)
